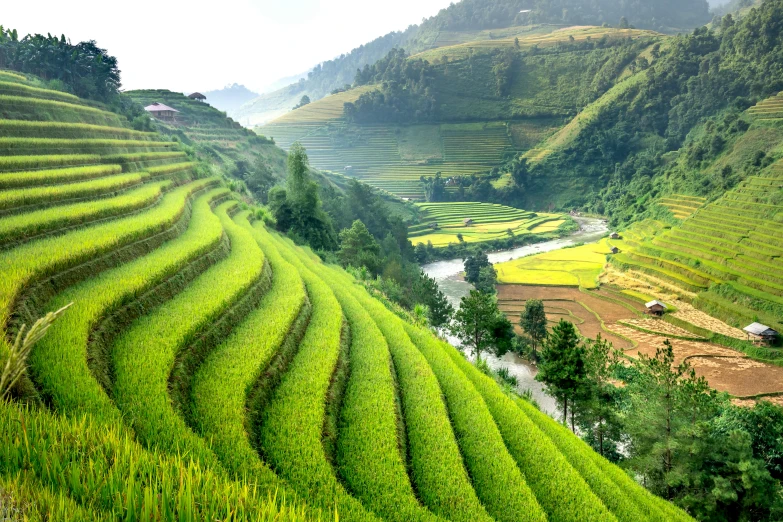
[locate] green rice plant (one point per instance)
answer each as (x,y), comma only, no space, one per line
(141,380)
(17,163)
(368,449)
(222,384)
(291,424)
(59,364)
(138,157)
(437,469)
(561,491)
(25,340)
(25,226)
(56,129)
(104,470)
(22,107)
(17,198)
(12,146)
(37,260)
(17,89)
(8,76)
(23,497)
(499,484)
(48,177)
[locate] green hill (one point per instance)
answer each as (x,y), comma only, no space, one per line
(197,371)
(475,123)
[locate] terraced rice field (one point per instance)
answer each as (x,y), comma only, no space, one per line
(682,206)
(209,369)
(725,258)
(576,267)
(769,109)
(441,222)
(383,156)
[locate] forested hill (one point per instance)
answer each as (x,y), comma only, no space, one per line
(472,20)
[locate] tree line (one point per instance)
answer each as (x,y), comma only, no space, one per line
(82,69)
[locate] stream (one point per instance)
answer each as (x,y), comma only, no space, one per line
(447,275)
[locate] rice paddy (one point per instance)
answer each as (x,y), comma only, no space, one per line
(209,369)
(440,223)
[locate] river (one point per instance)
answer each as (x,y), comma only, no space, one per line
(447,275)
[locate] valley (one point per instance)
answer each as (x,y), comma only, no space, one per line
(518,262)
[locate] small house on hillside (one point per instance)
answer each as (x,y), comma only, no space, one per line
(197,96)
(614,235)
(162,112)
(615,250)
(761,334)
(434,226)
(467,222)
(655,308)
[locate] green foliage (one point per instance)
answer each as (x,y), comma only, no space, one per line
(562,367)
(534,322)
(358,247)
(480,326)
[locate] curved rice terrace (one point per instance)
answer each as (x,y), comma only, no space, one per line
(209,369)
(442,224)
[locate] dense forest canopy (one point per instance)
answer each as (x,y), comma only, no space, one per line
(83,69)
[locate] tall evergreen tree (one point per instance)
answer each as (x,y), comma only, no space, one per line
(562,368)
(533,322)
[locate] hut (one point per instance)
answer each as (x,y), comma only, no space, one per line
(467,222)
(614,235)
(615,250)
(434,226)
(162,112)
(761,335)
(197,96)
(655,308)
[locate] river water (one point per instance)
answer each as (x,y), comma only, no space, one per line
(447,275)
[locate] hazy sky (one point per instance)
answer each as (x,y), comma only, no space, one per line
(182,46)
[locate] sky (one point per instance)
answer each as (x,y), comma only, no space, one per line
(182,46)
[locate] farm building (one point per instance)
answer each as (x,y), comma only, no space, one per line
(197,96)
(162,112)
(761,334)
(434,226)
(615,250)
(467,222)
(655,307)
(614,235)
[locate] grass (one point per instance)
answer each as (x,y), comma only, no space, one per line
(560,490)
(437,468)
(31,224)
(57,129)
(292,422)
(60,361)
(579,266)
(141,380)
(222,384)
(11,146)
(368,451)
(21,107)
(498,481)
(47,177)
(20,163)
(37,260)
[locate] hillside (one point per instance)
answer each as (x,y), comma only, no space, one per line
(477,121)
(202,349)
(230,98)
(471,21)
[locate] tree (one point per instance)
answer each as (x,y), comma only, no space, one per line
(476,321)
(533,321)
(358,248)
(438,307)
(473,266)
(562,367)
(305,100)
(487,279)
(597,404)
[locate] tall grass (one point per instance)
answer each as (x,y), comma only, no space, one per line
(11,146)
(18,89)
(22,107)
(46,177)
(439,475)
(368,450)
(498,482)
(292,423)
(20,163)
(145,353)
(560,490)
(57,129)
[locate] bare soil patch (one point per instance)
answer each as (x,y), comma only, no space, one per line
(740,376)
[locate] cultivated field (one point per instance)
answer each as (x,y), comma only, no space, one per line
(209,369)
(441,222)
(577,267)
